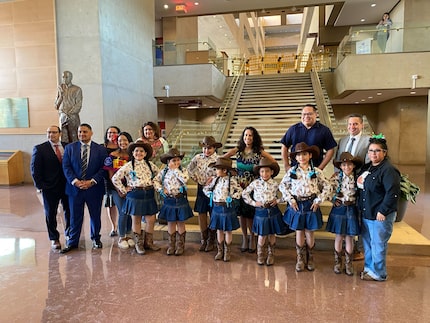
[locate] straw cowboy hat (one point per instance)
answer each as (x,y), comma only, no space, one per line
(302,146)
(209,141)
(143,145)
(347,157)
(223,163)
(265,162)
(172,153)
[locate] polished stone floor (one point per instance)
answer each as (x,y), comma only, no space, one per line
(110,285)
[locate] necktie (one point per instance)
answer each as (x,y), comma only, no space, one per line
(351,144)
(58,152)
(84,161)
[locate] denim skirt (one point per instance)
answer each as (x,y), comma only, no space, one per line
(304,218)
(343,220)
(175,209)
(268,221)
(224,218)
(140,203)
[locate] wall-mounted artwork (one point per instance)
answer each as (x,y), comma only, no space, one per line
(14,113)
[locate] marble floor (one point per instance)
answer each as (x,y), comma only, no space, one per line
(111,285)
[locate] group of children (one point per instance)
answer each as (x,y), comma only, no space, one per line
(304,187)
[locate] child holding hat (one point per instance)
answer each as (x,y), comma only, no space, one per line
(304,187)
(268,217)
(343,218)
(171,183)
(222,191)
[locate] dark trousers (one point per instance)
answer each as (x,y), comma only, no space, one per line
(77,204)
(51,199)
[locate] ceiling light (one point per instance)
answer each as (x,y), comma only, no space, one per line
(413,92)
(196,3)
(362,100)
(373,5)
(356,102)
(166,6)
(370,97)
(362,20)
(379,93)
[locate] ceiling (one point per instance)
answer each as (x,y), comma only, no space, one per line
(349,12)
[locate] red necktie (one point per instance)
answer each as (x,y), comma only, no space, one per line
(58,152)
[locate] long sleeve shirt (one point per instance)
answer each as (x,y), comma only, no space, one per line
(172,181)
(199,169)
(264,192)
(344,189)
(219,186)
(140,176)
(304,186)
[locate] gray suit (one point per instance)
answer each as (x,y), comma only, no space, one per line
(360,151)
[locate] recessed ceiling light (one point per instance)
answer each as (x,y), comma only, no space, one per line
(196,3)
(362,100)
(370,97)
(373,5)
(356,102)
(166,6)
(379,93)
(362,20)
(413,92)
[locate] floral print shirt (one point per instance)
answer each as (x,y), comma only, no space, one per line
(171,181)
(304,185)
(140,176)
(345,190)
(245,164)
(198,168)
(264,192)
(219,187)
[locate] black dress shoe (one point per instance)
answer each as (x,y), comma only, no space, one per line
(97,244)
(68,248)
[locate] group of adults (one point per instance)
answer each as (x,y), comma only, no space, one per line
(57,171)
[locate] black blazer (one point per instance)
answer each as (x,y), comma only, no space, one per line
(46,169)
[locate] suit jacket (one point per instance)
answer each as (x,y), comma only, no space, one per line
(360,151)
(46,169)
(72,167)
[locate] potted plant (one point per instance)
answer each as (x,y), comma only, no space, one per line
(408,192)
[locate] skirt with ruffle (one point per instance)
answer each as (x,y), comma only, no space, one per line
(224,218)
(304,218)
(268,221)
(140,203)
(343,220)
(175,209)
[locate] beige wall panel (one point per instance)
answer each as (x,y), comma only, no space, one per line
(8,82)
(37,78)
(6,35)
(6,16)
(34,34)
(40,120)
(7,58)
(32,10)
(35,56)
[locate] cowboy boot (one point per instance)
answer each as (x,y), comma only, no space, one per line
(180,243)
(310,258)
(227,251)
(261,257)
(337,262)
(138,240)
(349,269)
(211,240)
(203,240)
(301,251)
(220,253)
(171,245)
(149,242)
(270,254)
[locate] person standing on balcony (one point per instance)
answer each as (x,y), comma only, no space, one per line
(151,135)
(312,132)
(383,31)
(249,151)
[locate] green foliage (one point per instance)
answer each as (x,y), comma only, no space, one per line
(408,190)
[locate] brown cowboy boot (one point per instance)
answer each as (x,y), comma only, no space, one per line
(337,262)
(203,240)
(270,254)
(180,243)
(227,251)
(149,242)
(171,245)
(211,240)
(220,253)
(310,258)
(301,251)
(138,240)
(349,269)
(261,254)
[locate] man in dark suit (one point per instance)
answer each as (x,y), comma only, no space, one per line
(48,177)
(83,168)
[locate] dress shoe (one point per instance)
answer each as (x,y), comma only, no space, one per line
(68,249)
(97,244)
(55,245)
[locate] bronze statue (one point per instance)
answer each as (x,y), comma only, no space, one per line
(69,104)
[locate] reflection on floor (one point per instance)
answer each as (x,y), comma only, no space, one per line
(39,285)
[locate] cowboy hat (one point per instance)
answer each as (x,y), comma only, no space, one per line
(347,157)
(209,141)
(223,163)
(143,145)
(172,153)
(265,162)
(302,146)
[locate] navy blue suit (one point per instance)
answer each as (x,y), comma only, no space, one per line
(92,196)
(48,176)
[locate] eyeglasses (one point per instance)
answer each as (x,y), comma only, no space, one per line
(376,151)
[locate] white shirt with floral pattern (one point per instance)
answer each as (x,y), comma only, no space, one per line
(264,192)
(347,187)
(141,176)
(199,169)
(174,182)
(220,192)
